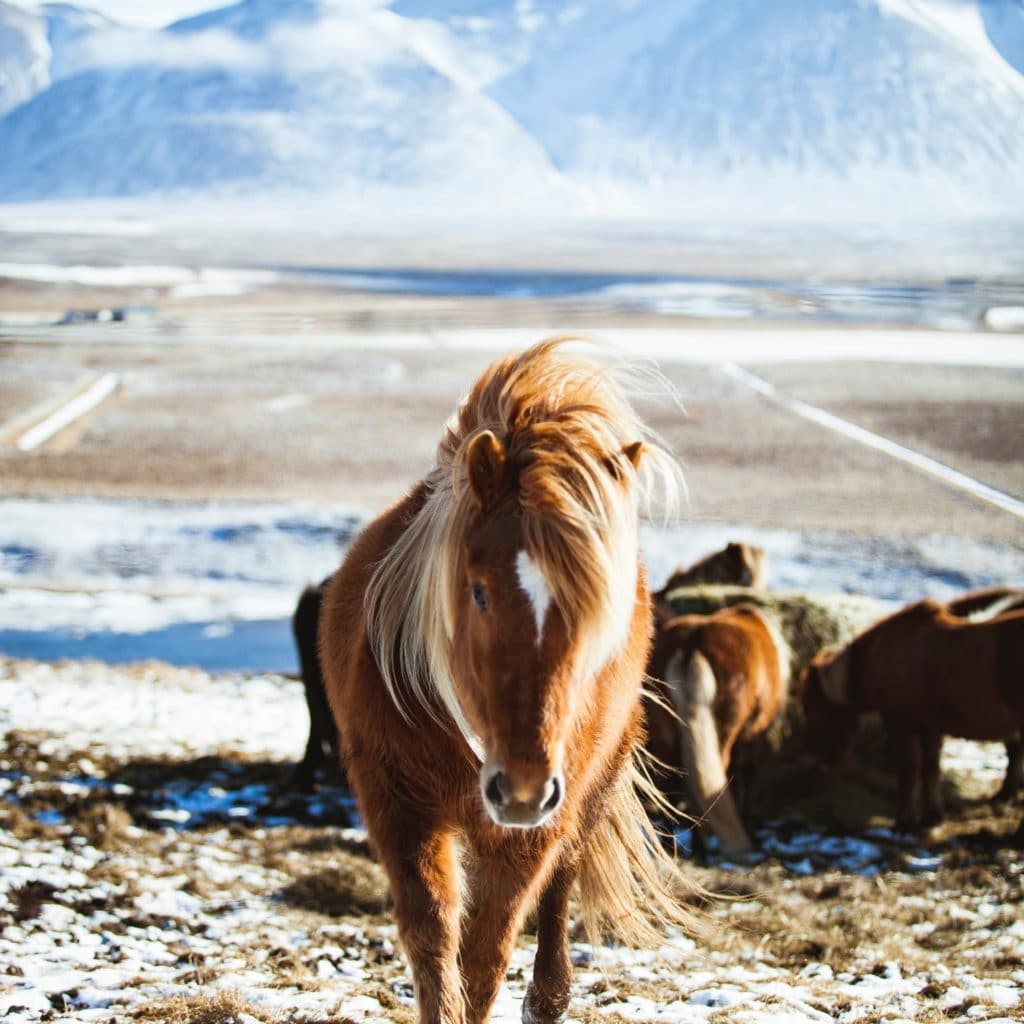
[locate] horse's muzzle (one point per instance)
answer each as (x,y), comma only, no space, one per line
(521,800)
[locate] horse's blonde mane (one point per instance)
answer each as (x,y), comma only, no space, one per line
(995,609)
(567,431)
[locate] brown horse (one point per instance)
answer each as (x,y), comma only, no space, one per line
(724,675)
(483,647)
(739,564)
(930,674)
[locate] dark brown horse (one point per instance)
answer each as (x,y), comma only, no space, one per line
(745,565)
(724,675)
(737,564)
(930,674)
(483,646)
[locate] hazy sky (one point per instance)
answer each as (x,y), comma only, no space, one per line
(143,12)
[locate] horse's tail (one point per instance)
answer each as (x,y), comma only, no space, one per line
(630,885)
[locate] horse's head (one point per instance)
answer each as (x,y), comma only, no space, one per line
(738,564)
(830,721)
(527,641)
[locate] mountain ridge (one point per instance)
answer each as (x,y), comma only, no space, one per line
(624,106)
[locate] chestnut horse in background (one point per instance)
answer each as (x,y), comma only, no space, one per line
(483,646)
(930,674)
(725,677)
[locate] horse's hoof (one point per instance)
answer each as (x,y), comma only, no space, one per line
(529,1018)
(538,1010)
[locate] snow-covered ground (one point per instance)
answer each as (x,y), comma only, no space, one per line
(959,305)
(151,838)
(191,894)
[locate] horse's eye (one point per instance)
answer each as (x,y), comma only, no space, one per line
(480,596)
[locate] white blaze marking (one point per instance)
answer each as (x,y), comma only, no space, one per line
(536,588)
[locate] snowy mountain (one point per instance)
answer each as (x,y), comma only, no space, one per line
(69,30)
(652,106)
(486,39)
(39,46)
(300,95)
(24,56)
(686,97)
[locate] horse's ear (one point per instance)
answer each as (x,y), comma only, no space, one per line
(631,452)
(485,464)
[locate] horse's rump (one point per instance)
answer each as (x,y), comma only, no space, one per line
(951,674)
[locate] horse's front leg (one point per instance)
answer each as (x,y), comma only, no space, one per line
(908,753)
(547,998)
(502,886)
(423,870)
(931,743)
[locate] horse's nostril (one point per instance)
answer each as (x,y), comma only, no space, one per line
(493,790)
(556,795)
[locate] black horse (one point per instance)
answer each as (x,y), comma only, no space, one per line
(322,746)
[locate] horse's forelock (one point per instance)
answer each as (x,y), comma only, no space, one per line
(566,425)
(579,525)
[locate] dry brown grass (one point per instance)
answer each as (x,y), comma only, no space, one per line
(230,1007)
(352,886)
(218,1008)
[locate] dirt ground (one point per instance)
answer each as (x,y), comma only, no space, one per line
(339,398)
